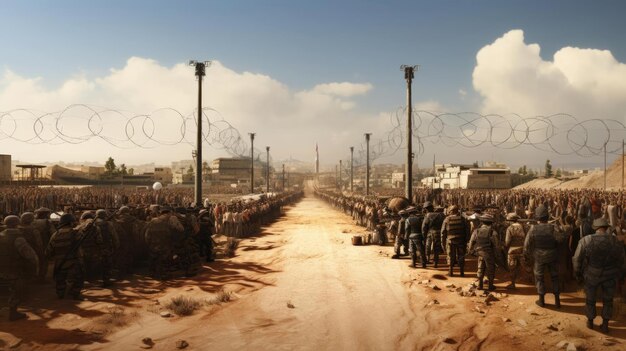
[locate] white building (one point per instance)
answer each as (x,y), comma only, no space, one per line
(456,176)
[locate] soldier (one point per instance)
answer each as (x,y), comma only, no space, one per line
(599,262)
(159,240)
(32,236)
(64,248)
(454,237)
(431,227)
(108,243)
(540,246)
(204,237)
(128,250)
(46,229)
(400,242)
(514,245)
(484,241)
(14,248)
(415,237)
(90,246)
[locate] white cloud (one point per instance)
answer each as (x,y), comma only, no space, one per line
(511,76)
(290,121)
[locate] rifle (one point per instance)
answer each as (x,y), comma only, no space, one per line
(76,244)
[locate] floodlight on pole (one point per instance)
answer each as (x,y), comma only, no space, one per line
(200,72)
(252,162)
(367,164)
(267,185)
(408,76)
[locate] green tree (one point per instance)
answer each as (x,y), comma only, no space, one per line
(558,173)
(109,166)
(190,170)
(131,171)
(123,171)
(548,168)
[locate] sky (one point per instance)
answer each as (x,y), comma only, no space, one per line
(304,72)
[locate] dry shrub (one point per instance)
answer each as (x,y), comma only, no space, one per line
(222,296)
(117,317)
(183,306)
(231,247)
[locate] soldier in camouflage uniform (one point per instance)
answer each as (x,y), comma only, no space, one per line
(599,262)
(31,234)
(514,244)
(400,242)
(159,233)
(127,226)
(90,246)
(484,242)
(64,249)
(454,237)
(108,243)
(204,237)
(431,227)
(540,246)
(14,249)
(415,237)
(46,229)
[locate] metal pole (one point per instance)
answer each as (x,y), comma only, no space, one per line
(267,186)
(252,162)
(623,164)
(367,164)
(340,180)
(408,183)
(200,72)
(283,177)
(604,166)
(336,177)
(351,168)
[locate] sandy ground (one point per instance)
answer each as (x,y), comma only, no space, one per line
(301,285)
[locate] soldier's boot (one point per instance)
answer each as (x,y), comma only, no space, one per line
(511,286)
(557,301)
(395,256)
(462,269)
(436,260)
(590,323)
(481,284)
(450,271)
(605,326)
(491,286)
(14,315)
(541,302)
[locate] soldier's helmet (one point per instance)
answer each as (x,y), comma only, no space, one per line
(102,214)
(486,218)
(68,218)
(165,209)
(87,215)
(43,210)
(513,217)
(124,210)
(428,205)
(541,213)
(453,209)
(410,209)
(600,223)
(11,221)
(203,212)
(402,213)
(27,218)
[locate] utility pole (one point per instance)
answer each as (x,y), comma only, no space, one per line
(200,72)
(605,166)
(408,76)
(367,164)
(340,176)
(336,177)
(351,168)
(623,164)
(283,177)
(252,162)
(267,186)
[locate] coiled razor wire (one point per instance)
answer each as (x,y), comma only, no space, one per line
(562,134)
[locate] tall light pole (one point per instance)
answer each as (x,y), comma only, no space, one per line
(267,185)
(252,162)
(200,72)
(367,164)
(408,75)
(283,177)
(340,176)
(351,168)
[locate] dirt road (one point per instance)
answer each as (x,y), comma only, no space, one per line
(302,285)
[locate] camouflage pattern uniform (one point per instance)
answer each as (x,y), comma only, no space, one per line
(159,234)
(599,261)
(415,237)
(108,243)
(127,228)
(432,228)
(540,246)
(484,241)
(32,236)
(14,249)
(68,259)
(46,229)
(400,242)
(204,237)
(514,243)
(454,236)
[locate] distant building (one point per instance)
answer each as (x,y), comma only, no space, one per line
(458,176)
(227,171)
(5,168)
(163,175)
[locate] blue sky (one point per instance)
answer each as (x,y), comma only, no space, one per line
(301,43)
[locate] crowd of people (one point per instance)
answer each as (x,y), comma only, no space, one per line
(571,235)
(81,238)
